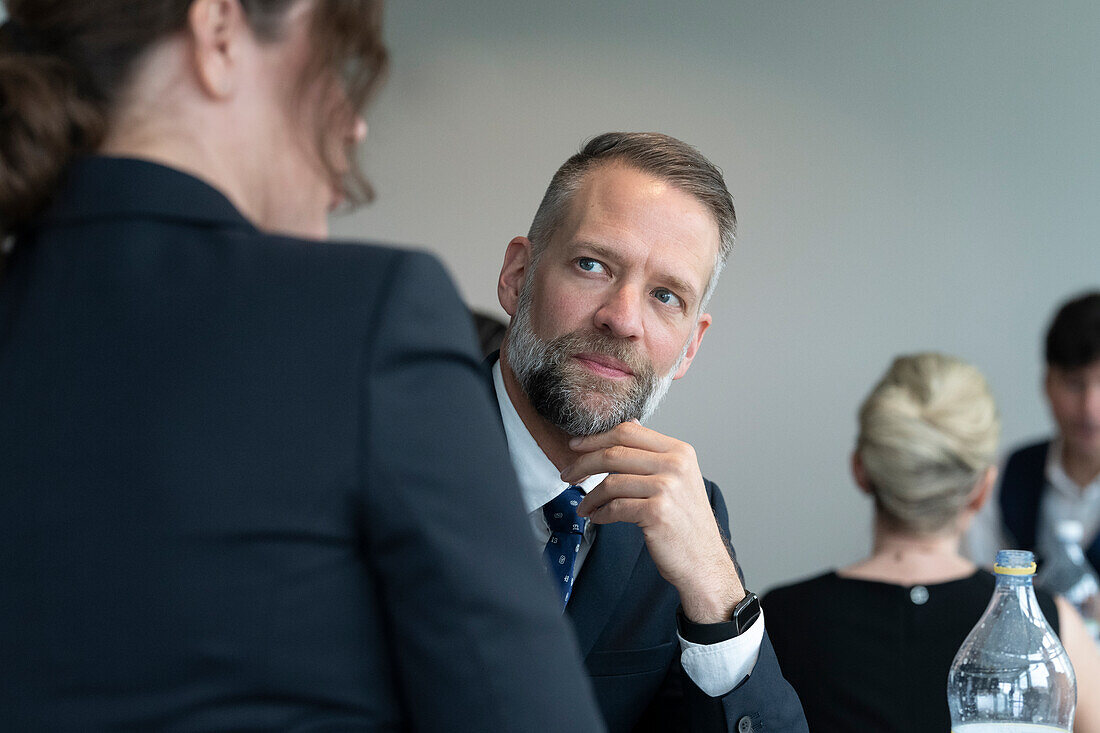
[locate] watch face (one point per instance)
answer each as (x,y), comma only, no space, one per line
(747,611)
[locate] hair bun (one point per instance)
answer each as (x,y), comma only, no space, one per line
(926,433)
(46,120)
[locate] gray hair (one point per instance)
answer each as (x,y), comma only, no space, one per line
(927,432)
(659,155)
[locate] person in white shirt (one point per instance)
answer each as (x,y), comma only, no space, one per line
(1057,478)
(608,295)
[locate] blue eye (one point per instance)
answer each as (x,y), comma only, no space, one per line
(590,265)
(667,297)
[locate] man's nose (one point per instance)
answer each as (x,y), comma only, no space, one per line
(620,315)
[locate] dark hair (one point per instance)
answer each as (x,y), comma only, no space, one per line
(659,155)
(490,331)
(1073,339)
(64,64)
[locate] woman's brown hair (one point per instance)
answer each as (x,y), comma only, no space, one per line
(64,63)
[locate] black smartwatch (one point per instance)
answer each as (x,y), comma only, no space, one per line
(744,614)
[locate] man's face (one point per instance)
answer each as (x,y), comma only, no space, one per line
(1074,396)
(610,314)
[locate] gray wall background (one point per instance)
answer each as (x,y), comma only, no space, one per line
(907,176)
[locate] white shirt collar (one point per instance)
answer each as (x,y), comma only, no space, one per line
(539,480)
(1061,482)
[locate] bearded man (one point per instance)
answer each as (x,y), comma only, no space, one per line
(607,295)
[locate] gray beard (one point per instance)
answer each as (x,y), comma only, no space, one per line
(568,396)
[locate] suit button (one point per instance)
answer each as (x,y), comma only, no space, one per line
(744,725)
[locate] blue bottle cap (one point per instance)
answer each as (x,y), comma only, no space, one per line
(1014,562)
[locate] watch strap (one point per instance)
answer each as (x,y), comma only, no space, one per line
(744,614)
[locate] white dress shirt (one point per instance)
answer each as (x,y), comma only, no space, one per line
(1062,499)
(714,668)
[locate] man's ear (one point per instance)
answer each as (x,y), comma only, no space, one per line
(513,273)
(701,327)
(217,29)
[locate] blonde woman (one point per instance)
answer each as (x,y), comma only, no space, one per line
(868,646)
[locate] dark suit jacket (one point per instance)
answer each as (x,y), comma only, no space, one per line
(1023,483)
(624,614)
(247,483)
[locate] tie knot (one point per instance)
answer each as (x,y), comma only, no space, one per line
(561,512)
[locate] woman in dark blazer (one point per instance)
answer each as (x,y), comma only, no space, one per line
(247,480)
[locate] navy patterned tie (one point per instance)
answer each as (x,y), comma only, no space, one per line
(566,531)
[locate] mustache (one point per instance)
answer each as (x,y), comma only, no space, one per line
(577,342)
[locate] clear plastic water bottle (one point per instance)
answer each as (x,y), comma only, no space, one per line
(1012,674)
(1068,573)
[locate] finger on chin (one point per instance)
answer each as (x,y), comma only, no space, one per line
(630,434)
(621,460)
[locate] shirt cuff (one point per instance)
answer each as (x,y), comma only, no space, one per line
(718,668)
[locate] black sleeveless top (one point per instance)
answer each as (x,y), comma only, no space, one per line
(871,656)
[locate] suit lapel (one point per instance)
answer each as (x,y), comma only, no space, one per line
(602,580)
(607,568)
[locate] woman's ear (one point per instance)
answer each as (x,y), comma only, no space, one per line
(982,490)
(859,473)
(216,27)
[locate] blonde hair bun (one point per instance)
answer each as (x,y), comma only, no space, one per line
(927,432)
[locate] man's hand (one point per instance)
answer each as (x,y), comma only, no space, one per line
(655,483)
